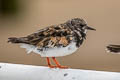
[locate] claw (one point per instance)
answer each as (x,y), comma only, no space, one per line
(62,67)
(50,66)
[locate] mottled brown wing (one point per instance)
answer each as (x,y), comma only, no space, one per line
(52,36)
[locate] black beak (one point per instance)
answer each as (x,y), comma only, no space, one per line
(89,28)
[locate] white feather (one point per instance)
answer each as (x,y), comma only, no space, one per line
(29,48)
(52,52)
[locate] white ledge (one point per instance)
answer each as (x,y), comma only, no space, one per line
(29,72)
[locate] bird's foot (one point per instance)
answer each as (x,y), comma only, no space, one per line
(50,66)
(62,67)
(57,64)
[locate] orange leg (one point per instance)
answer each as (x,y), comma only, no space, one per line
(58,64)
(48,61)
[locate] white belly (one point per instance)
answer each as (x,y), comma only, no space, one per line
(52,52)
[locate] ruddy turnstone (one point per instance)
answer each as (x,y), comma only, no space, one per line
(113,48)
(56,40)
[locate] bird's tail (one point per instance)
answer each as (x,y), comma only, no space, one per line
(113,48)
(17,40)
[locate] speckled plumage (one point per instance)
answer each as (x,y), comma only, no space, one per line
(56,36)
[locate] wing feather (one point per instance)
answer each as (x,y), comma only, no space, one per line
(58,35)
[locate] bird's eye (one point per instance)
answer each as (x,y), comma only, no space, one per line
(81,25)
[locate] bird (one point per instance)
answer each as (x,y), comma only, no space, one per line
(113,48)
(55,40)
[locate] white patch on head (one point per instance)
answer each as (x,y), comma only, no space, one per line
(85,31)
(52,52)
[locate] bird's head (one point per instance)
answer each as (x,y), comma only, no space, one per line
(79,24)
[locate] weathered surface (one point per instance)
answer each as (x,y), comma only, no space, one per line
(28,72)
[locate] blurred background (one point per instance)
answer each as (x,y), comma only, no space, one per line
(23,17)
